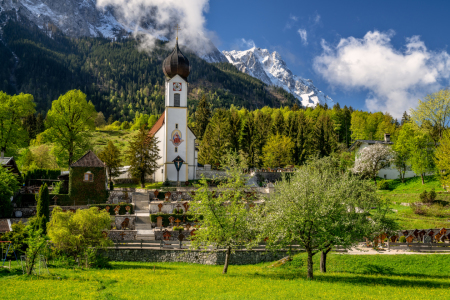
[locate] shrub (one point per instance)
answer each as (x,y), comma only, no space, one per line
(402,239)
(383,185)
(423,196)
(418,209)
(428,198)
(432,195)
(177,228)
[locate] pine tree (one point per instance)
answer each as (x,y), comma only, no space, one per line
(43,208)
(405,118)
(303,139)
(202,117)
(235,127)
(217,138)
(110,155)
(142,155)
(323,136)
(278,125)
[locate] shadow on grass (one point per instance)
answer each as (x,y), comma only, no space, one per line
(374,276)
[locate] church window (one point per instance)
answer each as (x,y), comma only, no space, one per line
(88,177)
(176,149)
(176,100)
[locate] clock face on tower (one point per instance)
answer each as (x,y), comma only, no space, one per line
(177,86)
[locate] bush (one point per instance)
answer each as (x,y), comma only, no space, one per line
(418,209)
(383,185)
(175,228)
(402,239)
(428,198)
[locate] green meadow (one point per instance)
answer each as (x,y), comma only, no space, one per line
(349,277)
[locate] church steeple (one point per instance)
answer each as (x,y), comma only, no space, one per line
(176,63)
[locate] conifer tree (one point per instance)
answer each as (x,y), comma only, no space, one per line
(217,138)
(142,155)
(110,155)
(43,208)
(202,117)
(323,136)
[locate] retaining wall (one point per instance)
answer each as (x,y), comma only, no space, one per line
(240,257)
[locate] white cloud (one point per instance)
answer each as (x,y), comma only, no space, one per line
(294,18)
(303,35)
(158,18)
(247,44)
(395,79)
(317,19)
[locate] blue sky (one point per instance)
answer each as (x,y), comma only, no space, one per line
(275,25)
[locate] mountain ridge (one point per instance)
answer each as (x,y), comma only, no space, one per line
(271,69)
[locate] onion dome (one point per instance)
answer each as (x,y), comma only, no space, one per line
(176,64)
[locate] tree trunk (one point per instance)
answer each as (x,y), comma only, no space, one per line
(375,179)
(423,182)
(227,257)
(310,265)
(323,260)
(143,181)
(2,154)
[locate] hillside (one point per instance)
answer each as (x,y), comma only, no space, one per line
(117,78)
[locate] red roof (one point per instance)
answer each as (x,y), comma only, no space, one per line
(157,125)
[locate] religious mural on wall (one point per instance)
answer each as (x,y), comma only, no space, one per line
(176,138)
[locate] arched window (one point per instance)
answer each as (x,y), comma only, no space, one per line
(176,100)
(88,177)
(176,149)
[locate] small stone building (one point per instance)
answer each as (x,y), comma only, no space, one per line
(88,181)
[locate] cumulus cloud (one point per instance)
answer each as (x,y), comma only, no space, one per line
(395,79)
(303,35)
(153,19)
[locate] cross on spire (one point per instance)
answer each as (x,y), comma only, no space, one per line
(177,28)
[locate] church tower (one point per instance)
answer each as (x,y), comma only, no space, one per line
(176,139)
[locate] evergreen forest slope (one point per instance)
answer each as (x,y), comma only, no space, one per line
(119,79)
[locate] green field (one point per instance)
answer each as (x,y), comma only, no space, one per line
(348,277)
(409,192)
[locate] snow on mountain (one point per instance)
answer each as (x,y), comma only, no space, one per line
(78,18)
(271,69)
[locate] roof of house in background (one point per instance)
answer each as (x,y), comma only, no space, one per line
(10,164)
(5,225)
(89,160)
(157,125)
(358,143)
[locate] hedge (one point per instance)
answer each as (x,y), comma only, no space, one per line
(166,217)
(122,210)
(41,174)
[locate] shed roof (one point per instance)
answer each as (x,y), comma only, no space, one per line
(89,160)
(4,225)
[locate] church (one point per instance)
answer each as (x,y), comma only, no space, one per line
(176,140)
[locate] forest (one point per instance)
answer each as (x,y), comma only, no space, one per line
(117,78)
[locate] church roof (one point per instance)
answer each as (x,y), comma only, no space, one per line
(176,64)
(89,160)
(157,125)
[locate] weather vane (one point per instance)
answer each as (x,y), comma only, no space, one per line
(177,29)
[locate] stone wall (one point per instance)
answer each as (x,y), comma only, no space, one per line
(122,235)
(27,212)
(240,257)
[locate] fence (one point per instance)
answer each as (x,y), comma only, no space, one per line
(420,247)
(163,244)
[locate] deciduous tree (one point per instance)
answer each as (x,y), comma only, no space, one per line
(68,123)
(224,218)
(12,110)
(110,155)
(370,160)
(278,152)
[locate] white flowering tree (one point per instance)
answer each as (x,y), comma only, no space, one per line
(317,208)
(370,160)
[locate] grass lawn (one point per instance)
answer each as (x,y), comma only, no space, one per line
(348,277)
(408,192)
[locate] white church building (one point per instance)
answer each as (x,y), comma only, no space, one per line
(176,139)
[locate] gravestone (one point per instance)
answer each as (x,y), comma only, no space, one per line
(186,206)
(188,226)
(166,235)
(117,209)
(167,196)
(160,206)
(159,221)
(171,219)
(107,208)
(125,224)
(427,239)
(123,234)
(178,221)
(156,192)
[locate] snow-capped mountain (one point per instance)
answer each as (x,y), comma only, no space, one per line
(271,69)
